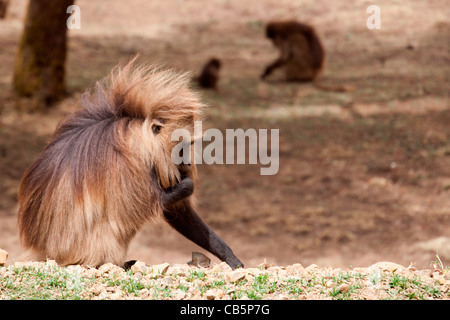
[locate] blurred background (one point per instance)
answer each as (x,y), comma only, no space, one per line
(364,176)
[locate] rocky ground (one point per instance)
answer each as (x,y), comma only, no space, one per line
(383,280)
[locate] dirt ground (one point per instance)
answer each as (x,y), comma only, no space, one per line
(364,176)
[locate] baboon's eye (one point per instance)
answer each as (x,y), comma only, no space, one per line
(156,128)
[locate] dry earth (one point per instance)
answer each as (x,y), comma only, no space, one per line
(364,176)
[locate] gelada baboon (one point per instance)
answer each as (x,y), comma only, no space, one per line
(209,76)
(107,170)
(301,52)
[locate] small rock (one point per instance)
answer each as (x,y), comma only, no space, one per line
(412,267)
(179,294)
(167,281)
(75,268)
(254,271)
(161,268)
(199,260)
(179,269)
(96,289)
(235,276)
(223,266)
(296,268)
(137,276)
(438,277)
(144,293)
(211,294)
(359,270)
(265,265)
(3,257)
(389,266)
(109,268)
(116,295)
(230,291)
(343,287)
(51,263)
(424,273)
(311,268)
(139,266)
(110,289)
(249,277)
(275,269)
(279,296)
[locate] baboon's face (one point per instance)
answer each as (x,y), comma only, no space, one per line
(153,104)
(157,144)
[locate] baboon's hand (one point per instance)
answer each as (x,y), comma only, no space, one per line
(185,187)
(184,169)
(179,191)
(266,72)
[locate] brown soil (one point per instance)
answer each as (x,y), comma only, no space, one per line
(364,176)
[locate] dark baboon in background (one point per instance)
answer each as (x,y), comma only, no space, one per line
(302,55)
(301,52)
(209,76)
(108,169)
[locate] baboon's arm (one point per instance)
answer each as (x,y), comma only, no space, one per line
(174,194)
(271,67)
(285,54)
(186,221)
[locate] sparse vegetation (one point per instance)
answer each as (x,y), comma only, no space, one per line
(43,281)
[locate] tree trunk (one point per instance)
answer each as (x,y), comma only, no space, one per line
(39,69)
(3,8)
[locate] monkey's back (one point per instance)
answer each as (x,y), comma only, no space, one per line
(86,192)
(101,176)
(306,53)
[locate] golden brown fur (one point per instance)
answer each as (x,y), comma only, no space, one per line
(100,177)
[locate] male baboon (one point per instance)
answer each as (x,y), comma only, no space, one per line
(301,52)
(209,76)
(108,169)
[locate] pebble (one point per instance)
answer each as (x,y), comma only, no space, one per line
(3,257)
(311,268)
(213,294)
(343,287)
(161,268)
(199,260)
(389,266)
(234,276)
(109,268)
(179,294)
(139,267)
(222,267)
(179,269)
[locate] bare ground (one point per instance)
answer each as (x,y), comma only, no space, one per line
(364,176)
